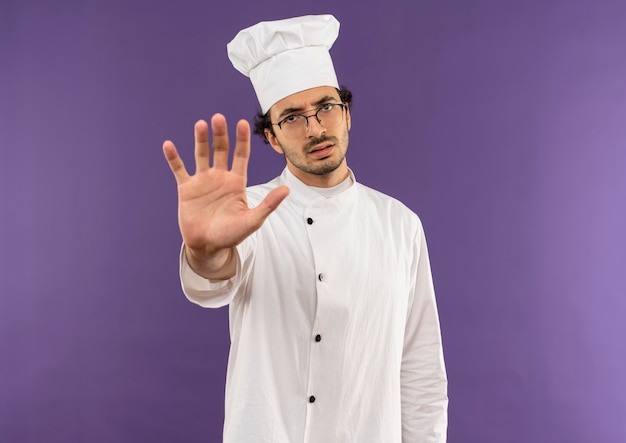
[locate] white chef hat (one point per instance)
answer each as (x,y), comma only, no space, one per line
(283,57)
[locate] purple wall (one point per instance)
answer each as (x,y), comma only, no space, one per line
(501,123)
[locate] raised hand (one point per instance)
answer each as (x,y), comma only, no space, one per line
(213,212)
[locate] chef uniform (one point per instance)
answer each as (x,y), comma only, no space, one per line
(333,320)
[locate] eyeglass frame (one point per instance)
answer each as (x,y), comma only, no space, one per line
(306,117)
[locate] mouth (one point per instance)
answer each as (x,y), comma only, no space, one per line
(322,150)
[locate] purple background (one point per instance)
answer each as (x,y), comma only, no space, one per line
(503,124)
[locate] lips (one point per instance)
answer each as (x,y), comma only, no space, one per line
(322,150)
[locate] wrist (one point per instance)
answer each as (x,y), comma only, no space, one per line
(220,265)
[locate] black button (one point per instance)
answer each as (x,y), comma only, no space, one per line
(309,220)
(321,277)
(318,337)
(311,399)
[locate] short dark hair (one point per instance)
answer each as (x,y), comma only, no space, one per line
(263,121)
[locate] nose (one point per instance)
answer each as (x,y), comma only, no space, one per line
(314,128)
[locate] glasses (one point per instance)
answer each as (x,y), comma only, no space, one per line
(329,115)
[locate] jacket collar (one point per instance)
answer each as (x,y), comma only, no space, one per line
(306,196)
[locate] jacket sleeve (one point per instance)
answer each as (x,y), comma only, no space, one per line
(423,377)
(215,294)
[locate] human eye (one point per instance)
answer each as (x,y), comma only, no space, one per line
(290,119)
(326,107)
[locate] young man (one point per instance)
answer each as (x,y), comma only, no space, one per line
(334,328)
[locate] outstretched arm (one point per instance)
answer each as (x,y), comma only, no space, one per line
(213,212)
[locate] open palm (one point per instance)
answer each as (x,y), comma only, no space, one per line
(213,212)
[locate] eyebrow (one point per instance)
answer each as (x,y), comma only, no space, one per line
(325,99)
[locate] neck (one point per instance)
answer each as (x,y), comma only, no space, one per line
(321,181)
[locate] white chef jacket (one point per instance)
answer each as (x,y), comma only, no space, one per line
(333,323)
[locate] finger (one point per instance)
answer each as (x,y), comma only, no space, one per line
(201,150)
(175,162)
(220,141)
(242,149)
(269,204)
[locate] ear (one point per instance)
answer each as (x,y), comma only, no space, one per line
(348,118)
(271,138)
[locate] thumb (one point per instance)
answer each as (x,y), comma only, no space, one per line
(269,204)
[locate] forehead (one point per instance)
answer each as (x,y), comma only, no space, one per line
(304,99)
